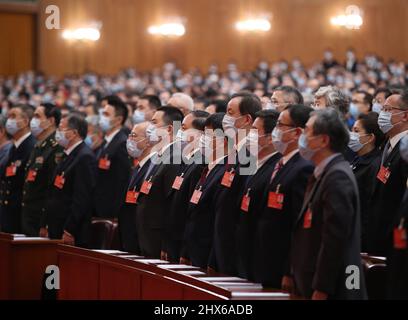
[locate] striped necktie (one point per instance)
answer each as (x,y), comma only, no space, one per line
(278,166)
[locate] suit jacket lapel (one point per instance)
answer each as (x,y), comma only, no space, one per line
(310,196)
(284,171)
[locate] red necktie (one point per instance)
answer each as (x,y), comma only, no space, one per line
(278,166)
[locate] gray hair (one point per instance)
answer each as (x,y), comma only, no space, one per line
(335,98)
(184,100)
(328,122)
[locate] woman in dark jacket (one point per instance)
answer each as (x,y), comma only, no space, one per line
(366,139)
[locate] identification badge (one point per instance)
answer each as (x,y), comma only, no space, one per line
(146,186)
(384,174)
(307,220)
(178,182)
(131,197)
(400,237)
(11,170)
(228,178)
(246,200)
(32,175)
(275,199)
(104,164)
(59,181)
(195,198)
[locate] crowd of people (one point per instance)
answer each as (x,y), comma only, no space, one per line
(282,176)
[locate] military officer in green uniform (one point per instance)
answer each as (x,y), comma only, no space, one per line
(40,167)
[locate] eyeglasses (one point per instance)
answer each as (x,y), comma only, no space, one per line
(280,124)
(390,108)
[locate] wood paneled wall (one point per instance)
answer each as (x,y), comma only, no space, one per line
(300,28)
(17,47)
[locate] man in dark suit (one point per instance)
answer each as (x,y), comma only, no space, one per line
(12,180)
(241,113)
(325,254)
(154,200)
(40,167)
(199,230)
(140,149)
(282,201)
(391,177)
(113,161)
(69,204)
(250,198)
(398,260)
(184,183)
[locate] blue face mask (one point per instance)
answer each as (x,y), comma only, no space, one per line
(105,123)
(354,142)
(138,117)
(404,148)
(354,110)
(304,148)
(377,107)
(12,126)
(89,141)
(61,139)
(385,120)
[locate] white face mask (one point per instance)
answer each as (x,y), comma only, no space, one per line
(12,126)
(182,136)
(277,136)
(151,133)
(252,142)
(61,138)
(133,150)
(228,122)
(35,126)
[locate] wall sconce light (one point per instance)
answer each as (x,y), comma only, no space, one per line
(170,29)
(351,19)
(91,33)
(260,24)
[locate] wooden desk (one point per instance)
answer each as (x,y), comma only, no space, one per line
(22,265)
(110,275)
